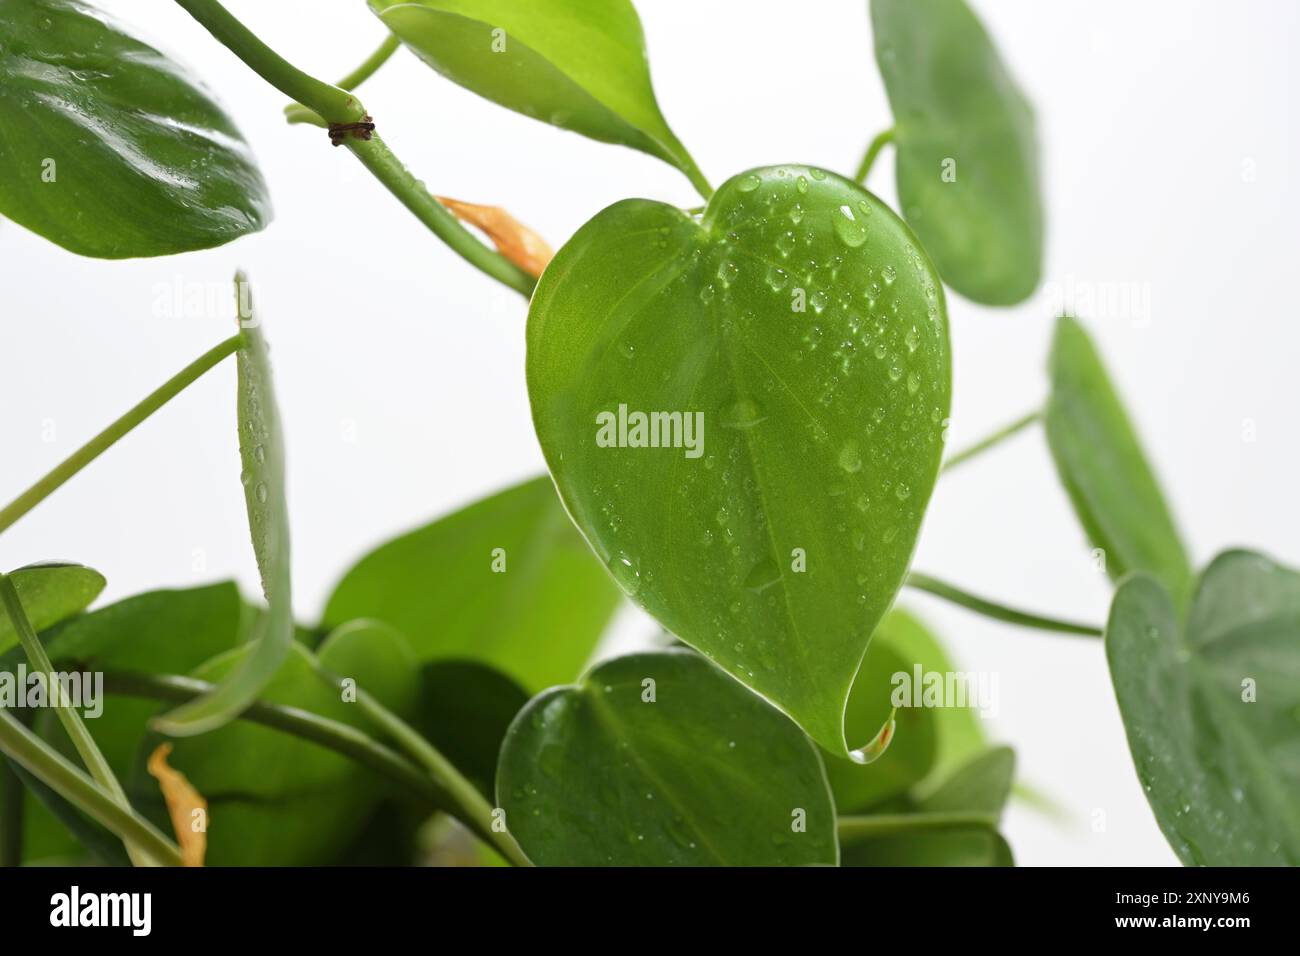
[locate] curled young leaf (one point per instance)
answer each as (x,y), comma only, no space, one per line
(109,148)
(261,451)
(743,413)
(518,243)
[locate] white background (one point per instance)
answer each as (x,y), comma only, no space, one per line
(1170,141)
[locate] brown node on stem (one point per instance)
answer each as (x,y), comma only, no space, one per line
(339,131)
(515,241)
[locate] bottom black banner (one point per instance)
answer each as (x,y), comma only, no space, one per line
(335,906)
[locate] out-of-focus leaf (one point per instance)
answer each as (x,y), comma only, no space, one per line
(50,593)
(1101,464)
(967,148)
(506,581)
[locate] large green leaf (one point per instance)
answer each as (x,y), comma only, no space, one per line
(50,593)
(109,148)
(576,64)
(1103,469)
(814,436)
(538,620)
(1212,710)
(660,759)
(967,150)
(261,452)
(275,799)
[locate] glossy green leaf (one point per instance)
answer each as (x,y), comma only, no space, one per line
(1211,709)
(798,334)
(465,709)
(261,452)
(967,150)
(660,759)
(1112,487)
(574,64)
(538,620)
(275,799)
(50,593)
(109,148)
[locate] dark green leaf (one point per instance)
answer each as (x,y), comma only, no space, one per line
(109,148)
(816,434)
(578,65)
(967,149)
(261,451)
(1211,711)
(50,593)
(660,759)
(538,620)
(1101,464)
(465,709)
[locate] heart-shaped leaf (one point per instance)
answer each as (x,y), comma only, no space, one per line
(743,414)
(1112,487)
(1211,709)
(505,581)
(50,593)
(261,452)
(967,151)
(109,148)
(577,65)
(660,759)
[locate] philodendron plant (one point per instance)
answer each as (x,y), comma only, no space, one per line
(743,408)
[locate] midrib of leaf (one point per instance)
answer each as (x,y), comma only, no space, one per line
(617,731)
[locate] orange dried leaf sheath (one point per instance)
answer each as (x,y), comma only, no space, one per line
(521,245)
(182,800)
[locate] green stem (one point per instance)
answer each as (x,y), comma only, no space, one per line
(339,737)
(339,106)
(12,800)
(54,770)
(76,729)
(105,439)
(888,824)
(297,113)
(999,436)
(882,139)
(924,582)
(475,809)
